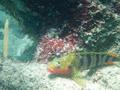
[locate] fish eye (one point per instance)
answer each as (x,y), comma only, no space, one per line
(58,62)
(58,66)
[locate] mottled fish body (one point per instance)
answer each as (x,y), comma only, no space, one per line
(81,61)
(94,59)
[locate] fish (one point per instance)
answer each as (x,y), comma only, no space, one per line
(72,63)
(83,61)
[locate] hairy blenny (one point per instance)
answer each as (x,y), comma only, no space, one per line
(73,62)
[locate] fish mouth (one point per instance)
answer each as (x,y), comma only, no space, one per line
(59,71)
(50,70)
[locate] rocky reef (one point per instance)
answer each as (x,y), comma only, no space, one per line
(45,29)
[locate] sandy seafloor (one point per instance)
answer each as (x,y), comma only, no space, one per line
(34,76)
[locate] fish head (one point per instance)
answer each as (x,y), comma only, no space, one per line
(62,65)
(58,68)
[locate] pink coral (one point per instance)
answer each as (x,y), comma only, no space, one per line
(55,46)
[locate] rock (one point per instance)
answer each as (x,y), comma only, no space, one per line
(34,76)
(109,77)
(31,76)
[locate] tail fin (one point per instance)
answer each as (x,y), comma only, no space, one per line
(115,55)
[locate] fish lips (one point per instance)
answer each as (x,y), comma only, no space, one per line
(60,71)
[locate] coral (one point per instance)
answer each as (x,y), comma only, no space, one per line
(116,7)
(86,16)
(102,38)
(6,34)
(55,46)
(95,23)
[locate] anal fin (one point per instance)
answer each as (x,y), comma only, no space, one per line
(109,62)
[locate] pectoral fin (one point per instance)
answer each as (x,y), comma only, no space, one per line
(79,79)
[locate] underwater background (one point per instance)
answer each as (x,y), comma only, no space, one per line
(34,33)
